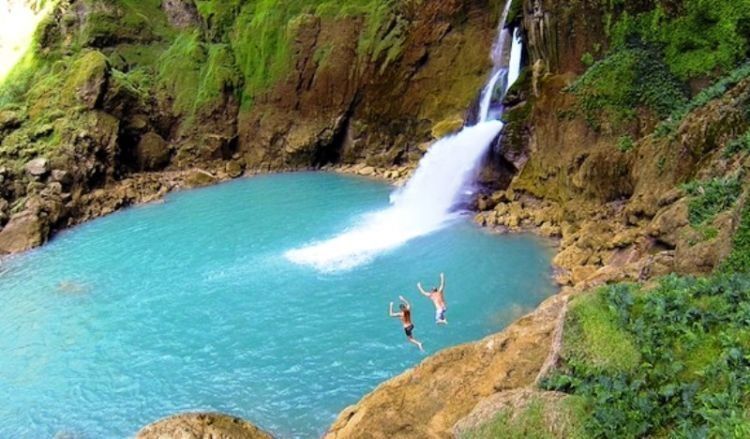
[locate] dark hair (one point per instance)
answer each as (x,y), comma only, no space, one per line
(402,307)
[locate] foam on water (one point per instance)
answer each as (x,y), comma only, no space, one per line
(421,207)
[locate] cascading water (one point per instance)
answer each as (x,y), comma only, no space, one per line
(427,202)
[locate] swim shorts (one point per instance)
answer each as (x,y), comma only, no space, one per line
(408,330)
(440,314)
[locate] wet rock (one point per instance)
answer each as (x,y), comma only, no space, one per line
(24,231)
(38,167)
(446,127)
(202,426)
(234,169)
(152,152)
(4,211)
(198,178)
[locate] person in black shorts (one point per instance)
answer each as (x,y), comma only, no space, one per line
(405,317)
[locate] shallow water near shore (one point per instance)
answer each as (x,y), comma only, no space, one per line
(191,305)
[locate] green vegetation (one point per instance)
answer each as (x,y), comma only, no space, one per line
(263,29)
(715,91)
(613,88)
(740,144)
(245,45)
(693,374)
(196,74)
(697,37)
(709,198)
(739,260)
(531,421)
(625,143)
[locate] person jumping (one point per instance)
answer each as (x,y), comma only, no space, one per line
(437,296)
(405,317)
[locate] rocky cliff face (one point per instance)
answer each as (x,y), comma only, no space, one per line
(616,157)
(112,90)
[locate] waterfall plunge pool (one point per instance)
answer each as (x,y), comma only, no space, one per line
(191,305)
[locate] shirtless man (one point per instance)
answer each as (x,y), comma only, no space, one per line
(405,316)
(438,298)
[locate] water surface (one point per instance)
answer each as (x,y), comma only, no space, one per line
(191,305)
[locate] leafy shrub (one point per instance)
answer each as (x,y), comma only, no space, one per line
(625,143)
(614,87)
(698,37)
(715,91)
(693,377)
(739,260)
(740,144)
(707,199)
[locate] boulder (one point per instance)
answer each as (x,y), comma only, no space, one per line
(198,178)
(181,13)
(234,169)
(37,168)
(88,79)
(152,152)
(24,231)
(61,176)
(202,426)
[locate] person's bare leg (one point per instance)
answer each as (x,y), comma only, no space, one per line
(416,342)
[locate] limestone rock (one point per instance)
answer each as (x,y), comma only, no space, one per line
(38,167)
(198,178)
(88,79)
(447,126)
(24,231)
(426,401)
(233,169)
(152,152)
(61,176)
(202,426)
(181,13)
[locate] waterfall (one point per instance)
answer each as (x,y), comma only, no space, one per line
(441,182)
(18,21)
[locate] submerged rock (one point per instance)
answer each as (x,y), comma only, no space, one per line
(202,426)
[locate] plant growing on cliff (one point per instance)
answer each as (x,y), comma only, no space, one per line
(611,90)
(709,198)
(692,377)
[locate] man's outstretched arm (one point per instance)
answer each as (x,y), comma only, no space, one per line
(406,302)
(442,281)
(390,311)
(421,290)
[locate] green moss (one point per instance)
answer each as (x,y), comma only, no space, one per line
(515,13)
(196,74)
(530,422)
(594,335)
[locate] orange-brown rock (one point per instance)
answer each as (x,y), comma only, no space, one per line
(426,401)
(202,426)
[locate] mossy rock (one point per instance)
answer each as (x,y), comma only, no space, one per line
(447,126)
(88,80)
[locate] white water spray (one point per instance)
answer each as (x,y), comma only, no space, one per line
(428,201)
(18,21)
